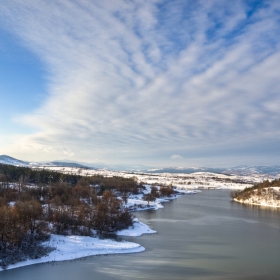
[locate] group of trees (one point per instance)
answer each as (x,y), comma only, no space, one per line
(34,204)
(158,192)
(257,189)
(22,229)
(118,184)
(80,214)
(36,176)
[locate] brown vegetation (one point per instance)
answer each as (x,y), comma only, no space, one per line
(258,189)
(31,209)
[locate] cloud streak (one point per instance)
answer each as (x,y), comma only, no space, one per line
(131,80)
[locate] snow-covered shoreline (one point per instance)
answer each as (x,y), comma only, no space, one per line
(257,204)
(137,229)
(75,247)
(268,197)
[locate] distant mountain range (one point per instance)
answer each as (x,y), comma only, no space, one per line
(185,170)
(4,159)
(262,169)
(237,170)
(12,161)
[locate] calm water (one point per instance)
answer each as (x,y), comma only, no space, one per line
(204,236)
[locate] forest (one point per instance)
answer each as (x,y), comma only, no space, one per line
(36,203)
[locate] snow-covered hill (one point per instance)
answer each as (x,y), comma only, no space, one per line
(242,170)
(4,159)
(247,170)
(264,197)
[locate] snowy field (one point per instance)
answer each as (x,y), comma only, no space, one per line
(197,180)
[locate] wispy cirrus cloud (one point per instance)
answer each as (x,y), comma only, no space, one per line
(140,80)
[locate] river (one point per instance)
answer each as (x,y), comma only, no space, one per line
(201,236)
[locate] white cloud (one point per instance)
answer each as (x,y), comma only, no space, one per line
(123,81)
(176,157)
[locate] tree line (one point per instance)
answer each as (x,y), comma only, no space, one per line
(34,176)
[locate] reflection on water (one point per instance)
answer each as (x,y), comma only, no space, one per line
(203,236)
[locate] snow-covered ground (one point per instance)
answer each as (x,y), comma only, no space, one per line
(197,180)
(137,203)
(268,197)
(74,247)
(137,229)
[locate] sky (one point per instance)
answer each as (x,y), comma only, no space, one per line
(159,83)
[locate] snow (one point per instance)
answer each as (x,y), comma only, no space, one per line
(137,204)
(147,190)
(137,229)
(12,203)
(183,191)
(262,202)
(197,180)
(75,247)
(269,197)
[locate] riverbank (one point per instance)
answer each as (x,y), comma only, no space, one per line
(261,195)
(262,203)
(76,247)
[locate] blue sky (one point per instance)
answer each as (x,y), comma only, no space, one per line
(162,83)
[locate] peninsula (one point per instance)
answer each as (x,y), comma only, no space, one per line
(266,193)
